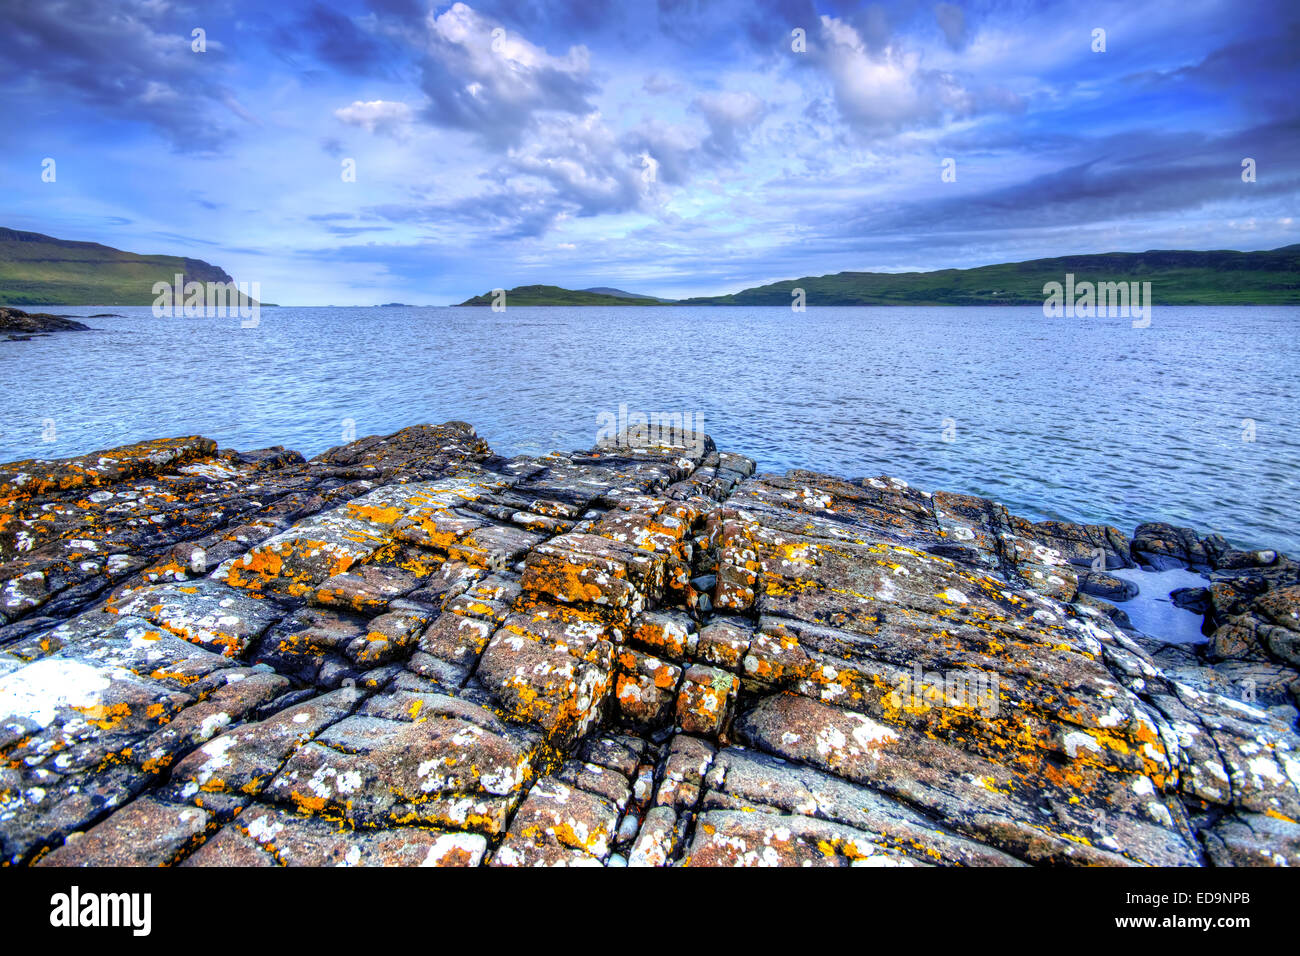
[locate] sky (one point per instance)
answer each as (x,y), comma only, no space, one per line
(673,148)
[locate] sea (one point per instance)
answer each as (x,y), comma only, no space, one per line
(1191,419)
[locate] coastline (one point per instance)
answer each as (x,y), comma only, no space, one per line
(611,653)
(1119,464)
(19,326)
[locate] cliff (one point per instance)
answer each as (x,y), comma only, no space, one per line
(41,270)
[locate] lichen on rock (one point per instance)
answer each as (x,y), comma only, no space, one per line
(411,651)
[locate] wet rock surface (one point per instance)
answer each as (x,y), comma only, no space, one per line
(411,651)
(15,324)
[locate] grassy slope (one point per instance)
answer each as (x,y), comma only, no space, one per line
(553,295)
(41,270)
(1176,277)
(625,295)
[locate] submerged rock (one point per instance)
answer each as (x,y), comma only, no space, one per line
(409,650)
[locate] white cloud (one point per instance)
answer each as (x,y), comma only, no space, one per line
(729,116)
(582,161)
(376,116)
(483,78)
(890,90)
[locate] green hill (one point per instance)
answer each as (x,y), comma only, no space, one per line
(1176,277)
(42,270)
(646,299)
(553,295)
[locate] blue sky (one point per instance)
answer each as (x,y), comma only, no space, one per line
(675,148)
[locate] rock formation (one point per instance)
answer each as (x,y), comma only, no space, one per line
(410,650)
(15,324)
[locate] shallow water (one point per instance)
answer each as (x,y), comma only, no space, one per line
(1079,419)
(1153,612)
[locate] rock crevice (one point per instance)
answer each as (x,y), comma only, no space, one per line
(409,650)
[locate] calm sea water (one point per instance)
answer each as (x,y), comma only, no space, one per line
(1079,419)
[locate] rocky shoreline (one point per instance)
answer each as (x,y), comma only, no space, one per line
(409,650)
(17,325)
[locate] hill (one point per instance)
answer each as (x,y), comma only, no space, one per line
(553,295)
(41,270)
(1176,277)
(606,290)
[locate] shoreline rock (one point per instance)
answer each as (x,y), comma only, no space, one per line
(643,655)
(17,325)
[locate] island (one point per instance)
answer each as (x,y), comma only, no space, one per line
(1177,277)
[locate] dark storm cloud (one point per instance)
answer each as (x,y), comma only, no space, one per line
(1131,178)
(724,30)
(128,60)
(552,19)
(952,21)
(337,41)
(1260,71)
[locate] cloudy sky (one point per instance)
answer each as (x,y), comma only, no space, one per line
(684,147)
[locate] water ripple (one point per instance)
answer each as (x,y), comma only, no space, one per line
(1086,420)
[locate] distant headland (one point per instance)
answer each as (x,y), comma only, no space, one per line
(1177,277)
(36,269)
